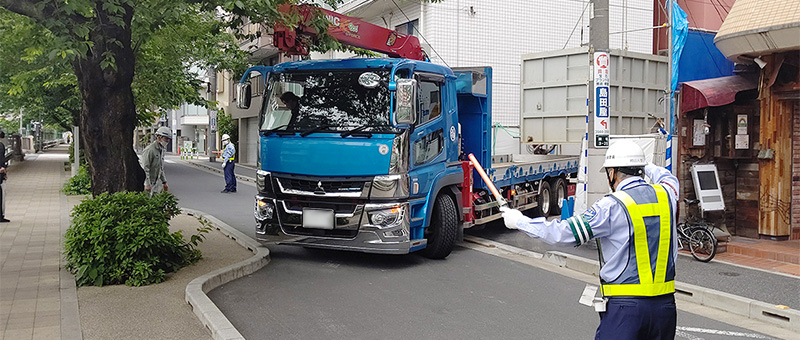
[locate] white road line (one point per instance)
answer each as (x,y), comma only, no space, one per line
(684,335)
(169,161)
(725,333)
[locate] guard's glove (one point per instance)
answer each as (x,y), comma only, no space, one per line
(223,164)
(510,217)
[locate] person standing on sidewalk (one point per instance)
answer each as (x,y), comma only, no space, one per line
(228,156)
(153,162)
(635,230)
(3,176)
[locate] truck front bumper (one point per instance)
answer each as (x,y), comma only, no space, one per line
(371,228)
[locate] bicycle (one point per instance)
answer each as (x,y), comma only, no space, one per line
(697,236)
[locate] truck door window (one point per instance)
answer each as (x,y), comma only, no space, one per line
(428,147)
(430,100)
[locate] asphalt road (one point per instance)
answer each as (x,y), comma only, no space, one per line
(783,289)
(320,294)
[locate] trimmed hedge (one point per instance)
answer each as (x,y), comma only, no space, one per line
(124,238)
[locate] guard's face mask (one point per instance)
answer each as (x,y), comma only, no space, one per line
(225,142)
(612,178)
(164,142)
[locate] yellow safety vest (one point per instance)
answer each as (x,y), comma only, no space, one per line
(648,282)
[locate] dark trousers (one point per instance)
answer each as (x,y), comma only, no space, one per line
(639,318)
(230,178)
(2,198)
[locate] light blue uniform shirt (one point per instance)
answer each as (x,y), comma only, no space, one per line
(607,222)
(229,151)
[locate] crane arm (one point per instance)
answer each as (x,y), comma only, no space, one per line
(347,30)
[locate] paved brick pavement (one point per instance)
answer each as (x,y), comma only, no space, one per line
(37,299)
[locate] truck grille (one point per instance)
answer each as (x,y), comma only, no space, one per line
(320,187)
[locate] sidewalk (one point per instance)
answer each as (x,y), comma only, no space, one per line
(775,256)
(38,297)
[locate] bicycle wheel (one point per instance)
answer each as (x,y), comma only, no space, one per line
(702,244)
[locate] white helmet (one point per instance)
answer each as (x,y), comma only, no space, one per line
(624,154)
(164,132)
(225,137)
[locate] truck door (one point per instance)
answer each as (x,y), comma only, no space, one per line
(427,139)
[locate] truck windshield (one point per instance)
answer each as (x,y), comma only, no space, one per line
(327,101)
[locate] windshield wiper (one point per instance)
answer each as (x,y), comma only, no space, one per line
(273,130)
(359,129)
(314,129)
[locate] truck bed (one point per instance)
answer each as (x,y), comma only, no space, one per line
(507,170)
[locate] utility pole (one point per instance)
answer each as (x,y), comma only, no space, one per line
(211,132)
(668,122)
(599,114)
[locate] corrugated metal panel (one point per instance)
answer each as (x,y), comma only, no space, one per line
(554,94)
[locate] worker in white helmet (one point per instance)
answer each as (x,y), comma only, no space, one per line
(635,230)
(153,162)
(227,164)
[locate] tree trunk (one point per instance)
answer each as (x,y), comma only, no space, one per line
(108,113)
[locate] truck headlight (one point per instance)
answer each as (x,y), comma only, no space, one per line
(265,210)
(387,218)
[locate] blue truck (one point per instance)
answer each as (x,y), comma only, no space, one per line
(369,155)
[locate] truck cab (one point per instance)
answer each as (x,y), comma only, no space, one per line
(360,154)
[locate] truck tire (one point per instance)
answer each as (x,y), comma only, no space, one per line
(559,193)
(544,198)
(443,229)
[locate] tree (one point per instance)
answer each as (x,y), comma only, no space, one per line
(101,42)
(130,57)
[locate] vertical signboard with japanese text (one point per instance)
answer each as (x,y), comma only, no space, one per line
(602,130)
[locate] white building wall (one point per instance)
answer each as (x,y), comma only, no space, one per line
(462,33)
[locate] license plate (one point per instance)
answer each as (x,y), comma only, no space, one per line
(318,218)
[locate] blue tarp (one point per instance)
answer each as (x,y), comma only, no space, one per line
(680,28)
(706,60)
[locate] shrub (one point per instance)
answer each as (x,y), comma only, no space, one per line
(80,184)
(124,238)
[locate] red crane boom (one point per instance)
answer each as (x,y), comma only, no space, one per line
(348,30)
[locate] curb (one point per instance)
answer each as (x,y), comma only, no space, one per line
(218,170)
(212,318)
(753,309)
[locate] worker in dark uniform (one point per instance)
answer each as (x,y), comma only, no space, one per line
(635,230)
(3,176)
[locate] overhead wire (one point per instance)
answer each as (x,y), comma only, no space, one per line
(420,34)
(576,25)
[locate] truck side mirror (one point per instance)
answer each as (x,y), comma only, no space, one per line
(406,109)
(243,95)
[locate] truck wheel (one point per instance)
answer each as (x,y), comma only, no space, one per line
(559,194)
(443,230)
(543,209)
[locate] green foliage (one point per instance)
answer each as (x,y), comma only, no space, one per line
(226,124)
(80,184)
(47,89)
(124,238)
